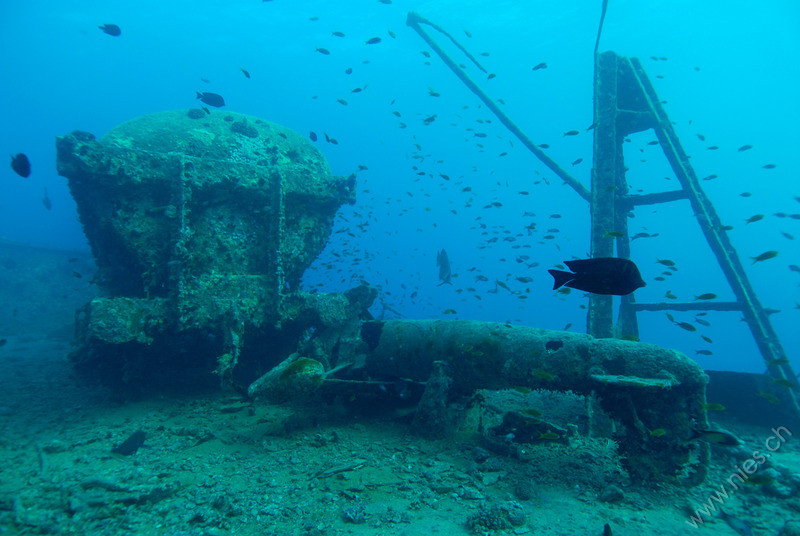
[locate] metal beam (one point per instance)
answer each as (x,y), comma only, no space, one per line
(606,167)
(690,306)
(414,20)
(652,199)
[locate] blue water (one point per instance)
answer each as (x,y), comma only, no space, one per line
(731,75)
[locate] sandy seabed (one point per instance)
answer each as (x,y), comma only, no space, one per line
(215,464)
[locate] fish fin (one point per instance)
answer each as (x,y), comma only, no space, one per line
(584,265)
(580,265)
(561,278)
(199,96)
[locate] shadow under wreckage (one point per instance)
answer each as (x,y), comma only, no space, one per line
(201,227)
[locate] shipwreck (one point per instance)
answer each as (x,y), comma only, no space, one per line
(201,227)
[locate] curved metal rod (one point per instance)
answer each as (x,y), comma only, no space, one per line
(600,28)
(414,20)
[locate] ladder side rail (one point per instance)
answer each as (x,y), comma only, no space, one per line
(606,152)
(627,323)
(765,337)
(709,222)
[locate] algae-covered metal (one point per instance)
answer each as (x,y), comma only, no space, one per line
(642,386)
(201,225)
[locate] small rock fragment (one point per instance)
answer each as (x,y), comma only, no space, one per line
(611,493)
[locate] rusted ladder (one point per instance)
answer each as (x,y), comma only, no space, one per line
(625,102)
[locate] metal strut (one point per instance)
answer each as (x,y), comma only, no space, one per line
(625,102)
(414,20)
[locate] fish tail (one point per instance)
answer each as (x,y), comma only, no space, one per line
(199,96)
(561,277)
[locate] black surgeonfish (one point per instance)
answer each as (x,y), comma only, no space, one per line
(443,262)
(21,165)
(111,29)
(603,275)
(212,99)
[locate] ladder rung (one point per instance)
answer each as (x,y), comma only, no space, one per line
(652,199)
(690,306)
